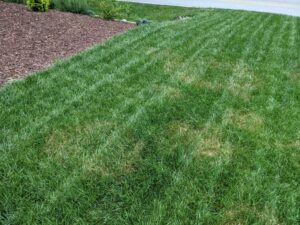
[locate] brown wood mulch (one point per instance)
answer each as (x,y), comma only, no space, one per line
(30,41)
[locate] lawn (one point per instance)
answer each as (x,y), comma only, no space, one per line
(179,122)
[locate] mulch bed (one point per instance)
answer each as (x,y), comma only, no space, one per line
(30,41)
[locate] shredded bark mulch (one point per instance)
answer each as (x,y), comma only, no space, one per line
(30,41)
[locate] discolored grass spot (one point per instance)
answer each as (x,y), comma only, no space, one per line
(243,82)
(186,77)
(182,129)
(170,92)
(123,163)
(213,86)
(249,121)
(92,146)
(171,61)
(192,73)
(211,144)
(236,216)
(72,140)
(209,147)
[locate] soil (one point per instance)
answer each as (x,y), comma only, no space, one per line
(31,41)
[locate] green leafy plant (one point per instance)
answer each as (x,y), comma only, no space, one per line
(38,5)
(111,9)
(75,6)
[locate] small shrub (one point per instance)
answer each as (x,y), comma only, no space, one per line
(75,6)
(111,9)
(38,5)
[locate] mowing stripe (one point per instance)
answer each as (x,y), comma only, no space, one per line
(121,70)
(227,39)
(189,159)
(65,185)
(123,147)
(136,47)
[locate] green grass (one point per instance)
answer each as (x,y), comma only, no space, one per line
(137,11)
(152,12)
(187,122)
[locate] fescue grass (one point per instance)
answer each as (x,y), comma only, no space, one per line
(156,13)
(186,122)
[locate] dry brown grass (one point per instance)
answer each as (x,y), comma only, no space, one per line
(249,121)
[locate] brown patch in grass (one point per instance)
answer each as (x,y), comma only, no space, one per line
(290,144)
(171,92)
(71,140)
(295,75)
(182,129)
(99,147)
(213,86)
(172,60)
(186,77)
(210,143)
(209,147)
(243,82)
(191,74)
(121,164)
(249,121)
(236,216)
(181,134)
(204,142)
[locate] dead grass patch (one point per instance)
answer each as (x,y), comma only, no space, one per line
(236,216)
(182,129)
(172,60)
(213,86)
(243,82)
(249,121)
(71,140)
(186,77)
(211,143)
(171,92)
(92,146)
(123,162)
(209,147)
(192,73)
(207,141)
